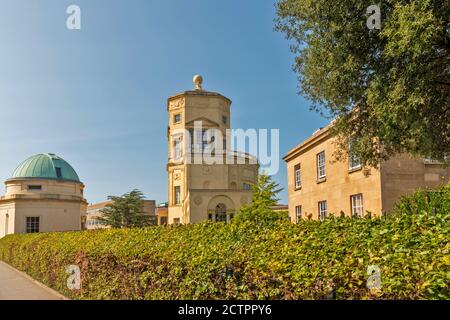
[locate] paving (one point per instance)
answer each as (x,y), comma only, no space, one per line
(15,285)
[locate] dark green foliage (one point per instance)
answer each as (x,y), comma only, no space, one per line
(398,77)
(126,211)
(245,260)
(264,196)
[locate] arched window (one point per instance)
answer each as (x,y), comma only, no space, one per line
(221,212)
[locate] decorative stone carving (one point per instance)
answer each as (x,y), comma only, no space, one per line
(176,175)
(207,170)
(176,104)
(206,184)
(198,200)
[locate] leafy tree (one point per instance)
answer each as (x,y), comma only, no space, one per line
(388,89)
(125,211)
(265,192)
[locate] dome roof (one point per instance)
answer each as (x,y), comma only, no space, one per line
(46,166)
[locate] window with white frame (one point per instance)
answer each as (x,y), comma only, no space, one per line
(323,212)
(321,173)
(298,176)
(298,214)
(177,148)
(177,118)
(32,225)
(177,195)
(357,205)
(354,162)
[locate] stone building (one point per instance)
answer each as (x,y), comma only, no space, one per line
(162,211)
(318,185)
(44,194)
(201,189)
(93,213)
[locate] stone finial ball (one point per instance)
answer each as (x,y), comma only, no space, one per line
(198,80)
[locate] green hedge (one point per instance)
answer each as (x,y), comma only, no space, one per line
(312,260)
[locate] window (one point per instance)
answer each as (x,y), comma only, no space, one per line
(199,140)
(321,173)
(298,214)
(221,212)
(298,176)
(34,187)
(58,172)
(224,119)
(32,225)
(354,162)
(357,205)
(177,118)
(177,149)
(323,210)
(247,186)
(176,220)
(177,195)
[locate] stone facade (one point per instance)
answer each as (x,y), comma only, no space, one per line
(198,189)
(58,205)
(349,188)
(93,213)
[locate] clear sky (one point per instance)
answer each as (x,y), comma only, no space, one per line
(97,96)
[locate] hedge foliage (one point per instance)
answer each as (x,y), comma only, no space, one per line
(311,260)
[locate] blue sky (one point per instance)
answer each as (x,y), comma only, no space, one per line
(97,97)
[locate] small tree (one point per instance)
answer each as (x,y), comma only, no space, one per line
(264,197)
(126,211)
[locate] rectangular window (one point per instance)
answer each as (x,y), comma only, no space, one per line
(34,187)
(247,186)
(58,172)
(298,176)
(321,173)
(357,205)
(176,118)
(177,151)
(323,212)
(298,214)
(354,162)
(32,225)
(177,195)
(224,120)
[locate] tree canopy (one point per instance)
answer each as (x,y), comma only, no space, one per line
(387,88)
(126,211)
(265,192)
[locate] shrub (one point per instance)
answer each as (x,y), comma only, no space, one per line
(429,201)
(311,260)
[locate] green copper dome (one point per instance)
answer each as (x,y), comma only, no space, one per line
(46,166)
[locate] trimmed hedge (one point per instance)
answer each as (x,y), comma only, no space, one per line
(312,260)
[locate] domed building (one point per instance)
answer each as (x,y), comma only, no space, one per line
(44,194)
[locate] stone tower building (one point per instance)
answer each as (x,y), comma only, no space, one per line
(206,180)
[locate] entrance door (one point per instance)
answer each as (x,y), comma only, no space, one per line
(221,212)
